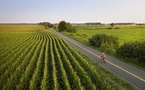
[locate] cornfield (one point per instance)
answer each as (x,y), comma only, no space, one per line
(40,60)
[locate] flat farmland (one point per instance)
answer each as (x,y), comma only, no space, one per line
(124,33)
(34,58)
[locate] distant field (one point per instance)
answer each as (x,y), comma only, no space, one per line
(19,27)
(33,58)
(124,33)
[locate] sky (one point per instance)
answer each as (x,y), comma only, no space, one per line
(74,11)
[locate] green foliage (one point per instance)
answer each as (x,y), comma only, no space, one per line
(70,28)
(46,24)
(133,50)
(112,24)
(64,26)
(104,41)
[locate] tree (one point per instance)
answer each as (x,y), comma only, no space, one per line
(62,26)
(66,26)
(112,25)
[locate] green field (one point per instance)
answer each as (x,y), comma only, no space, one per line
(124,33)
(33,58)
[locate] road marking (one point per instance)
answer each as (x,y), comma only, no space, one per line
(109,62)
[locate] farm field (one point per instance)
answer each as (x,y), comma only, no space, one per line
(124,33)
(34,58)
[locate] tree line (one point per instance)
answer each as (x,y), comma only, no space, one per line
(62,26)
(46,24)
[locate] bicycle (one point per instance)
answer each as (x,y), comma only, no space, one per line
(103,59)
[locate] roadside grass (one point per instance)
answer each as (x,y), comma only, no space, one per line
(124,33)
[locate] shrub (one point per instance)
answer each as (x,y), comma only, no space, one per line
(133,50)
(109,28)
(104,42)
(116,27)
(70,28)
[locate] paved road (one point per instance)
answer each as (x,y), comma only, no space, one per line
(132,75)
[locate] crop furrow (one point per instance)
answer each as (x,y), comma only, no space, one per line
(13,48)
(24,81)
(45,83)
(38,72)
(61,74)
(73,79)
(11,67)
(15,59)
(14,78)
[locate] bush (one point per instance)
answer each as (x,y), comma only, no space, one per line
(109,28)
(116,27)
(104,42)
(135,50)
(70,28)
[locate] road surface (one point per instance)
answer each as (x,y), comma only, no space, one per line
(128,73)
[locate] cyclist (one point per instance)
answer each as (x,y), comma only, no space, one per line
(103,57)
